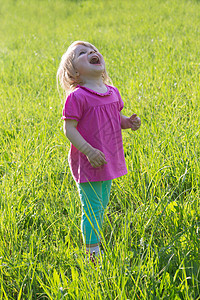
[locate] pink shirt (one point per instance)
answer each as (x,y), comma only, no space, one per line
(98,116)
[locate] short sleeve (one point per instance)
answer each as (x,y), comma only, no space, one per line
(73,108)
(120,102)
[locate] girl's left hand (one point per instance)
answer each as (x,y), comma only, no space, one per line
(135,122)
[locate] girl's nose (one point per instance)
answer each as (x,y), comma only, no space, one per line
(92,51)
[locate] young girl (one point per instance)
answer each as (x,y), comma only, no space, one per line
(92,122)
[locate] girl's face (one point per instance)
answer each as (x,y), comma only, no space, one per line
(88,62)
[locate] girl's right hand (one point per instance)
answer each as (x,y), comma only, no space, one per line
(96,158)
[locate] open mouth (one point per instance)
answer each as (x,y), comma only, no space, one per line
(95,60)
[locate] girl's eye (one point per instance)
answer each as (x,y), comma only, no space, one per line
(82,52)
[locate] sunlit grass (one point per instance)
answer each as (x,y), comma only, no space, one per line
(151,227)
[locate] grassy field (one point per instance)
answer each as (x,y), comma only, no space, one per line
(152,235)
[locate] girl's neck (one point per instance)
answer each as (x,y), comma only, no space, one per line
(95,85)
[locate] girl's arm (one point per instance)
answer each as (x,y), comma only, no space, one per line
(95,156)
(132,122)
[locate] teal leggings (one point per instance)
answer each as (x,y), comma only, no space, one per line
(94,199)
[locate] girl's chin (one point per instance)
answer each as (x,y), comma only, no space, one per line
(94,72)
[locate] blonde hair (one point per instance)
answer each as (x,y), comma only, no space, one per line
(66,73)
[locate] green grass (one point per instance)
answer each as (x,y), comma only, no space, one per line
(152,239)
